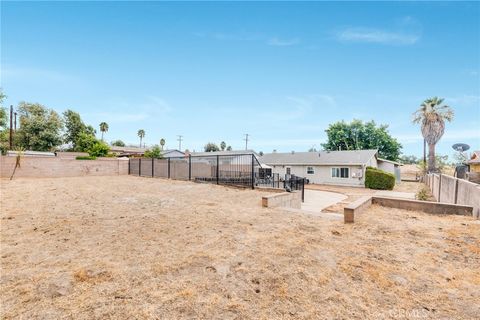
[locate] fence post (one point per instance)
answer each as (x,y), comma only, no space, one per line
(139,166)
(253,172)
(153,166)
(303,189)
(168,168)
(456,190)
(189,167)
(129,166)
(218,167)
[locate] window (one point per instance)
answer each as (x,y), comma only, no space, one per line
(340,172)
(288,170)
(310,170)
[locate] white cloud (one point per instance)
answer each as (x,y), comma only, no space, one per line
(249,36)
(369,35)
(282,42)
(466,99)
(151,107)
(26,73)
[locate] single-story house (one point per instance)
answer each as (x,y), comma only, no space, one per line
(329,167)
(173,153)
(232,157)
(474,162)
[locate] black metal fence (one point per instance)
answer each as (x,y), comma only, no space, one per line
(238,169)
(243,170)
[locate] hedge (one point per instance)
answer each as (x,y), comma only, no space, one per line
(379,179)
(86,158)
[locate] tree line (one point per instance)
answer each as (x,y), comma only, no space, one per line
(43,129)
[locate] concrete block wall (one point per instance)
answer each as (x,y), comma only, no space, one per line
(55,167)
(284,199)
(448,189)
(448,185)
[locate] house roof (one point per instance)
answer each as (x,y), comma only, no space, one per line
(171,150)
(390,161)
(224,153)
(127,149)
(353,157)
(475,157)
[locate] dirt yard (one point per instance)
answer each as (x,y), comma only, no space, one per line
(354,193)
(141,248)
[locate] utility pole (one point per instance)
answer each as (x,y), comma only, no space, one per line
(179,139)
(15,122)
(246,141)
(11,127)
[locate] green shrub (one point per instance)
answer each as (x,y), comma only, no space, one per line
(379,179)
(155,152)
(86,158)
(99,149)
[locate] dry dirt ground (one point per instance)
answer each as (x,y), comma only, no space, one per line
(354,193)
(141,248)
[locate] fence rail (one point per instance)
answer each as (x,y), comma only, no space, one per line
(238,169)
(241,170)
(449,189)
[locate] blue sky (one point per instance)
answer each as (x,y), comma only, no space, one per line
(215,71)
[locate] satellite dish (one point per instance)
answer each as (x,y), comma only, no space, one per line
(460,147)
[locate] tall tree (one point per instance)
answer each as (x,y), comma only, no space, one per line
(223,145)
(40,128)
(4,134)
(141,135)
(3,111)
(431,116)
(74,126)
(162,143)
(103,128)
(118,143)
(359,135)
(210,147)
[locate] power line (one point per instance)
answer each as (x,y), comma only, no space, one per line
(179,139)
(246,141)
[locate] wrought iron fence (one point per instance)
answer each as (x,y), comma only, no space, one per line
(243,170)
(238,169)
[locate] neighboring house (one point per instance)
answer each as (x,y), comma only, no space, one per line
(329,167)
(225,153)
(173,153)
(139,152)
(234,157)
(474,161)
(127,151)
(474,165)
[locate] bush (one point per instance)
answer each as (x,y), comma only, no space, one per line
(86,158)
(118,143)
(99,149)
(155,152)
(423,194)
(379,179)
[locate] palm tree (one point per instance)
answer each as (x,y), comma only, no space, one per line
(432,115)
(141,135)
(103,128)
(162,143)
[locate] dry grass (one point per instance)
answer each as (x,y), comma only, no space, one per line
(139,248)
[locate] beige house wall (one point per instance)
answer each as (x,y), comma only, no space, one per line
(323,174)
